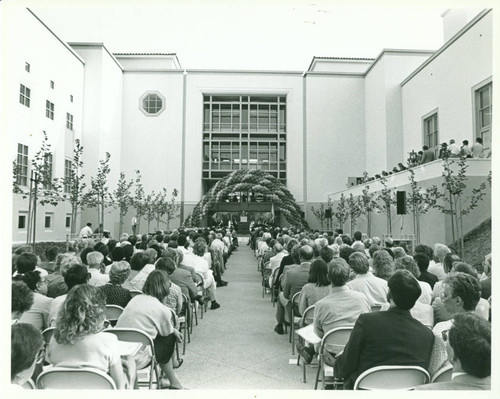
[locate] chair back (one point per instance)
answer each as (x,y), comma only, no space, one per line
(335,340)
(74,378)
(112,313)
(308,317)
(29,384)
(48,333)
(135,292)
(392,377)
(376,307)
(266,273)
(444,374)
(295,304)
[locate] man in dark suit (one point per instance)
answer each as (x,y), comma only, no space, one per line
(468,344)
(423,264)
(392,337)
(427,156)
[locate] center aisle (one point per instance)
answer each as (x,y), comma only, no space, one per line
(235,347)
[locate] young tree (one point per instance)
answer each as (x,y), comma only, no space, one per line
(138,199)
(354,209)
(172,207)
(419,201)
(386,195)
(341,213)
(368,204)
(320,213)
(159,201)
(150,208)
(123,198)
(99,196)
(453,200)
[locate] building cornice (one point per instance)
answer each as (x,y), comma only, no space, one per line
(460,33)
(326,73)
(388,51)
(97,44)
(57,37)
(241,71)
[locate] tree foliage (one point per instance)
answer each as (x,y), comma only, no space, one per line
(368,203)
(341,212)
(354,207)
(386,197)
(122,197)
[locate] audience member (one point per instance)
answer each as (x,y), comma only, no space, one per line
(55,281)
(113,290)
(423,264)
(382,264)
(440,251)
(78,339)
(477,148)
(391,337)
(38,313)
(95,262)
(27,350)
(468,347)
(317,286)
(27,262)
(21,300)
(374,288)
(148,313)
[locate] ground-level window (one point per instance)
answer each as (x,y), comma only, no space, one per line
(431,136)
(21,220)
(68,221)
(48,220)
(22,165)
(484,109)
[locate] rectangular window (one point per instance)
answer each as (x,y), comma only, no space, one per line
(68,221)
(484,112)
(71,97)
(49,109)
(69,121)
(51,84)
(67,175)
(431,137)
(48,171)
(48,220)
(24,95)
(22,165)
(26,67)
(21,221)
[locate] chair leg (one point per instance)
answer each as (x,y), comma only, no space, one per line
(317,373)
(304,377)
(184,338)
(292,328)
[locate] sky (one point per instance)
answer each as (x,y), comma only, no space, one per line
(265,35)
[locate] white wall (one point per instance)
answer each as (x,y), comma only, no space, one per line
(339,65)
(335,133)
(446,84)
(49,59)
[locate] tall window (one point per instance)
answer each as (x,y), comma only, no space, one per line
(49,109)
(48,220)
(24,95)
(243,132)
(22,165)
(48,168)
(21,220)
(51,84)
(431,137)
(27,67)
(67,175)
(484,111)
(69,121)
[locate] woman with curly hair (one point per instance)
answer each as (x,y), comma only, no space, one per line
(115,293)
(148,312)
(79,340)
(383,264)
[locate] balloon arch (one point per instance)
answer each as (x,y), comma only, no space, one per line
(256,181)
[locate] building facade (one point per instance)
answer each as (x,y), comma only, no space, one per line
(316,131)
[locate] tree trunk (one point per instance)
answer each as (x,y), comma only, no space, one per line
(120,228)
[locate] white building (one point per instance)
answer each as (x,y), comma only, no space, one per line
(185,129)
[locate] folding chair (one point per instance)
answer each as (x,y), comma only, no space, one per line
(444,374)
(112,313)
(29,384)
(266,273)
(135,292)
(306,319)
(74,378)
(183,320)
(274,291)
(294,319)
(392,377)
(206,297)
(47,334)
(136,335)
(333,341)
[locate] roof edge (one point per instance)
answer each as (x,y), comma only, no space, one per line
(97,44)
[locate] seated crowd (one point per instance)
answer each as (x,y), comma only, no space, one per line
(407,309)
(147,275)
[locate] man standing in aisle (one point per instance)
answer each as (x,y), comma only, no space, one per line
(134,225)
(86,232)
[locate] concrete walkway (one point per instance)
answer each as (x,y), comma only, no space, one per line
(235,347)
